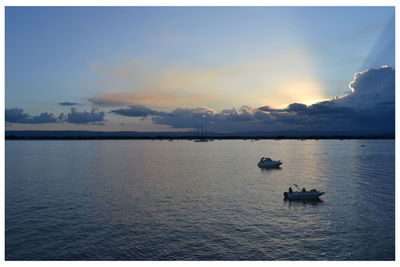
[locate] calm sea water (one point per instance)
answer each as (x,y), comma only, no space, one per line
(181,200)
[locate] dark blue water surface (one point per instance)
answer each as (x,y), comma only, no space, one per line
(181,200)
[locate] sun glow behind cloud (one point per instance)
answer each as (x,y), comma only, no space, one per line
(273,79)
(306,91)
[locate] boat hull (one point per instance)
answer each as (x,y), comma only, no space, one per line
(303,195)
(269,164)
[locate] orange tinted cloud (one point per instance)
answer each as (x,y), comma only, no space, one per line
(157,98)
(115,98)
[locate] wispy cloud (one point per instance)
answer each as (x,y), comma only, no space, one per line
(154,97)
(137,111)
(67,104)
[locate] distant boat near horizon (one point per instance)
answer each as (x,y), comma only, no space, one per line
(201,140)
(201,135)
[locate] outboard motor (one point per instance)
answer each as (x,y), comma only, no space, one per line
(285,194)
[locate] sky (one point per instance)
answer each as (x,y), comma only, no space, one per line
(179,68)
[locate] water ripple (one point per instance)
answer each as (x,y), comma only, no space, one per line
(143,200)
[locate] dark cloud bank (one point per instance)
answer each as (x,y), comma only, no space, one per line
(85,117)
(16,115)
(368,109)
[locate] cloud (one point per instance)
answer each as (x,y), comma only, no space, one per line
(370,107)
(16,115)
(370,88)
(67,104)
(44,117)
(137,111)
(187,118)
(153,97)
(297,107)
(85,117)
(115,98)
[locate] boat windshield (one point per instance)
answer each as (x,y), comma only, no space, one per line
(265,159)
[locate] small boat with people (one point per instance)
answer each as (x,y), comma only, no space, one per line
(268,163)
(303,194)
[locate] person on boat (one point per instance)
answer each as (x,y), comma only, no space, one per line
(290,190)
(303,190)
(262,159)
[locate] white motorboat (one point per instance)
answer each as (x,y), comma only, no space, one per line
(268,163)
(312,194)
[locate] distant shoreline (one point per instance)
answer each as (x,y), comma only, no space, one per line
(254,138)
(191,135)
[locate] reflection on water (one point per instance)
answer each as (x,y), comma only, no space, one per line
(265,169)
(144,200)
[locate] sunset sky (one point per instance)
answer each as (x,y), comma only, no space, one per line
(178,68)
